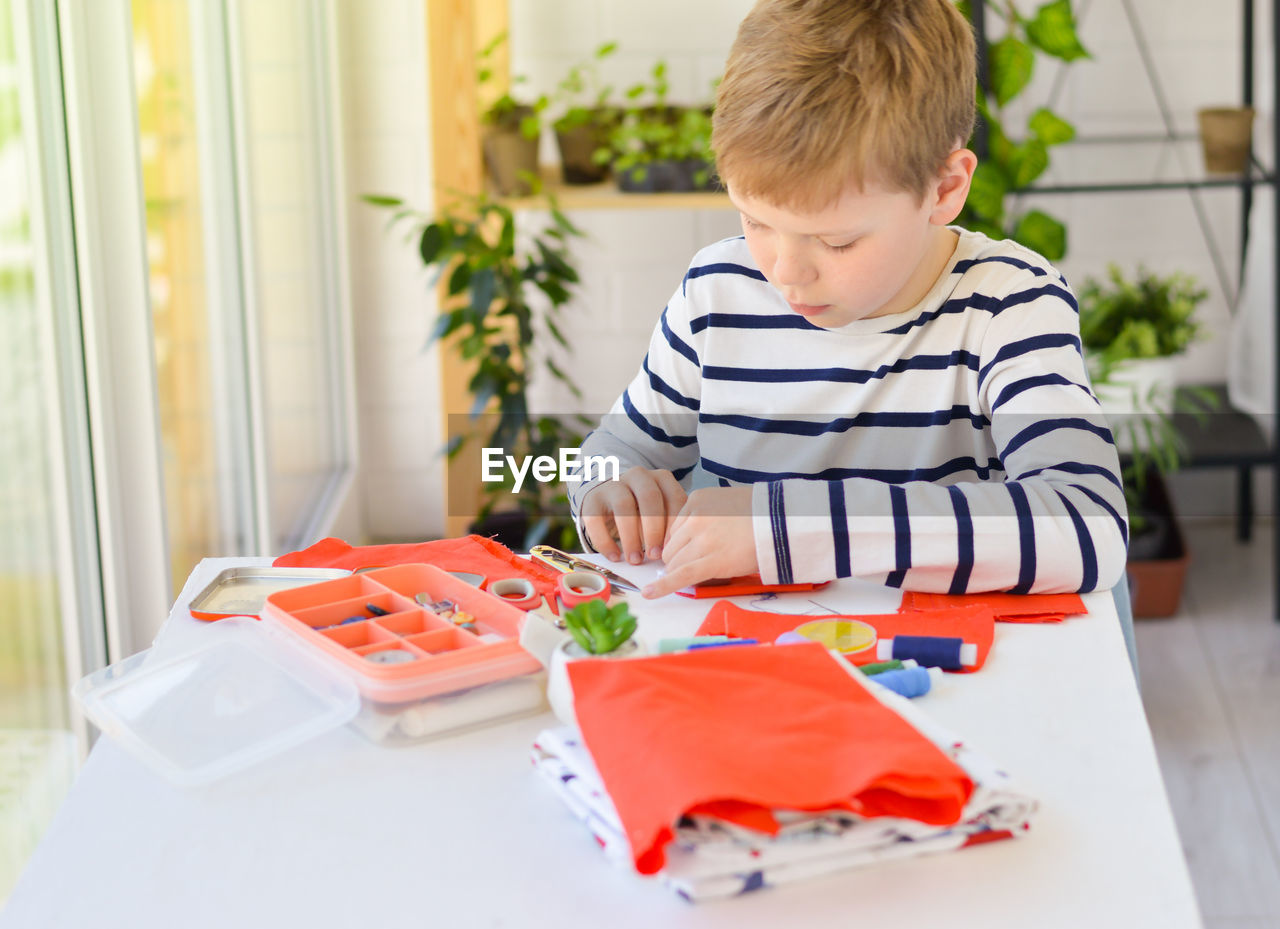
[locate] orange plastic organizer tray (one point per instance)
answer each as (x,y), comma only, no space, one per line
(444,659)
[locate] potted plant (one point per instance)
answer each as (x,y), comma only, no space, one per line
(585,118)
(596,630)
(1010,159)
(509,138)
(495,280)
(659,146)
(1133,332)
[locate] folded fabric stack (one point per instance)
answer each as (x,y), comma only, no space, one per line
(729,770)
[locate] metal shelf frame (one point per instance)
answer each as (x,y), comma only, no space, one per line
(1231,438)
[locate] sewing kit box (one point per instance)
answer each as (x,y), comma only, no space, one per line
(318,660)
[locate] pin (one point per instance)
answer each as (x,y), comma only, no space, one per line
(390,656)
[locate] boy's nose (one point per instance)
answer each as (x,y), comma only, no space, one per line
(791,268)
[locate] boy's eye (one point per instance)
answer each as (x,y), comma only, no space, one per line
(844,247)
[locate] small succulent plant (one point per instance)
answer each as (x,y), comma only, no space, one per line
(599,628)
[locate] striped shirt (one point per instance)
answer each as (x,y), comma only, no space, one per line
(955,447)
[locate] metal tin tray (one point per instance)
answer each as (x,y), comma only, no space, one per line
(243,591)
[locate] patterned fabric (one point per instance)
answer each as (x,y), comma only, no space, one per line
(712,858)
(955,448)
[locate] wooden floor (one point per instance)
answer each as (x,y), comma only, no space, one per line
(1211,686)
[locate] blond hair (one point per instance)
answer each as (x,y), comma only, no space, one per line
(819,95)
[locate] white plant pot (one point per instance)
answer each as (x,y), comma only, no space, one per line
(559,691)
(1137,390)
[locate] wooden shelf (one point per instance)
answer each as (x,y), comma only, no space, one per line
(607,196)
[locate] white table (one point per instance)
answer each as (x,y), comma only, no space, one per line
(461,832)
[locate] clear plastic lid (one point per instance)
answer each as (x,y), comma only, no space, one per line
(241,696)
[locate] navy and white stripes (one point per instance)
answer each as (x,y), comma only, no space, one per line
(955,447)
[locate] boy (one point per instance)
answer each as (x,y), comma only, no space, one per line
(873,392)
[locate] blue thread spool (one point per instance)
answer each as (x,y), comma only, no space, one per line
(666,646)
(909,682)
(932,651)
(697,646)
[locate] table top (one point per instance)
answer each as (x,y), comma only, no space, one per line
(462,832)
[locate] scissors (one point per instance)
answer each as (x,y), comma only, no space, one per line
(563,561)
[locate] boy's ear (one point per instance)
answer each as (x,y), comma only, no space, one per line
(953,186)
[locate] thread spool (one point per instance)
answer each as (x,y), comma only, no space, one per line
(932,651)
(666,646)
(879,667)
(908,682)
(847,636)
(698,646)
(518,591)
(580,586)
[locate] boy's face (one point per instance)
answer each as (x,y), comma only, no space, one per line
(874,252)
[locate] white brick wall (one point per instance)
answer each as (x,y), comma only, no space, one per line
(632,260)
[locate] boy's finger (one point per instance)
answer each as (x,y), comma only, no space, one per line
(674,496)
(652,502)
(682,577)
(597,522)
(627,521)
(600,536)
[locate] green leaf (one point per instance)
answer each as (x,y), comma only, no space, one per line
(556,334)
(381,200)
(446,325)
(483,395)
(1027,162)
(1050,128)
(556,264)
(555,293)
(484,287)
(563,224)
(430,244)
(1042,233)
(459,279)
(1012,62)
(987,191)
(507,240)
(580,636)
(1053,31)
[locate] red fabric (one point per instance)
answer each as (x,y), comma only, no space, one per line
(752,729)
(746,584)
(974,624)
(1009,608)
(472,553)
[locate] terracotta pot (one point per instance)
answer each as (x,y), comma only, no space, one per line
(508,155)
(1156,582)
(577,148)
(1226,133)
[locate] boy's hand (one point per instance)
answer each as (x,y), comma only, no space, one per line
(630,517)
(711,537)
